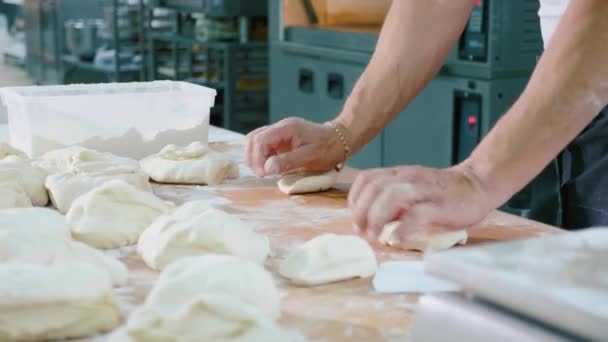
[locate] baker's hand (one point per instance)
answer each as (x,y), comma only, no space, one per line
(419,197)
(293,144)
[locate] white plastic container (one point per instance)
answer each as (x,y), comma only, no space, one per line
(128,119)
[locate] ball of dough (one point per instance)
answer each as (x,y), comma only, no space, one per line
(329,258)
(28,246)
(50,303)
(195,229)
(78,159)
(41,221)
(114,214)
(12,195)
(7,150)
(302,183)
(65,187)
(423,241)
(19,171)
(192,164)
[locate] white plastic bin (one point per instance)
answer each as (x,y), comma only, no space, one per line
(128,119)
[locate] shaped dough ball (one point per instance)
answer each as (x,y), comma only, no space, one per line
(7,150)
(30,247)
(31,179)
(40,221)
(196,229)
(114,214)
(329,258)
(424,242)
(66,187)
(192,164)
(302,183)
(12,195)
(50,303)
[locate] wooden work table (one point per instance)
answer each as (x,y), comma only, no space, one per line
(344,311)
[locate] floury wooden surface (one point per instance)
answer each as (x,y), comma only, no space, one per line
(344,311)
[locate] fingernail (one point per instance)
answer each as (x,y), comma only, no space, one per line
(271,166)
(356,229)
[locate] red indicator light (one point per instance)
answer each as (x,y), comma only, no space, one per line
(472,120)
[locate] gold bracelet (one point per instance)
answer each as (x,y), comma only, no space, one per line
(340,130)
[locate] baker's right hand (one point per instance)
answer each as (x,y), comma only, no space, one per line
(293,144)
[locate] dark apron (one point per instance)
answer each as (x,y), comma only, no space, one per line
(572,191)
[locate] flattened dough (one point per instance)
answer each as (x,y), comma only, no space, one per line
(51,303)
(302,183)
(19,171)
(41,221)
(78,159)
(423,242)
(192,164)
(114,214)
(329,258)
(12,195)
(209,298)
(28,246)
(196,229)
(7,150)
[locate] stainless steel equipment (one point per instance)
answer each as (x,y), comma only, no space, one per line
(81,37)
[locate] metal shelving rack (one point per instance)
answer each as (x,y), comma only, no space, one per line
(118,72)
(237,69)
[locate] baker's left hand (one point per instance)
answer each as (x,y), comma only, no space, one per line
(419,197)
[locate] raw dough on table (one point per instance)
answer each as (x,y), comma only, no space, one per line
(196,229)
(30,247)
(19,171)
(208,298)
(329,258)
(192,164)
(66,187)
(41,221)
(12,195)
(51,303)
(78,159)
(302,183)
(7,150)
(114,214)
(423,242)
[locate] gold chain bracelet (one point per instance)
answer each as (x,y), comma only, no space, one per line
(340,130)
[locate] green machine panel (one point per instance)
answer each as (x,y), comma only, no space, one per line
(313,83)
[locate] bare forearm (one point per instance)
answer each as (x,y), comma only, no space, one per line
(415,40)
(568,88)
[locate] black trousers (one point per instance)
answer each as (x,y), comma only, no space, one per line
(583,173)
(572,191)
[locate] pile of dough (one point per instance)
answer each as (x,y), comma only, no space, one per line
(209,298)
(423,242)
(12,195)
(7,150)
(50,303)
(41,221)
(114,214)
(329,258)
(28,246)
(195,229)
(18,171)
(302,183)
(192,164)
(78,159)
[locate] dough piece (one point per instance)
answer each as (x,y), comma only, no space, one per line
(28,246)
(192,164)
(204,298)
(66,187)
(196,229)
(31,178)
(12,195)
(114,214)
(329,258)
(41,221)
(7,150)
(51,303)
(422,241)
(302,183)
(78,159)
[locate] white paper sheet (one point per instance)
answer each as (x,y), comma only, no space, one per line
(409,277)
